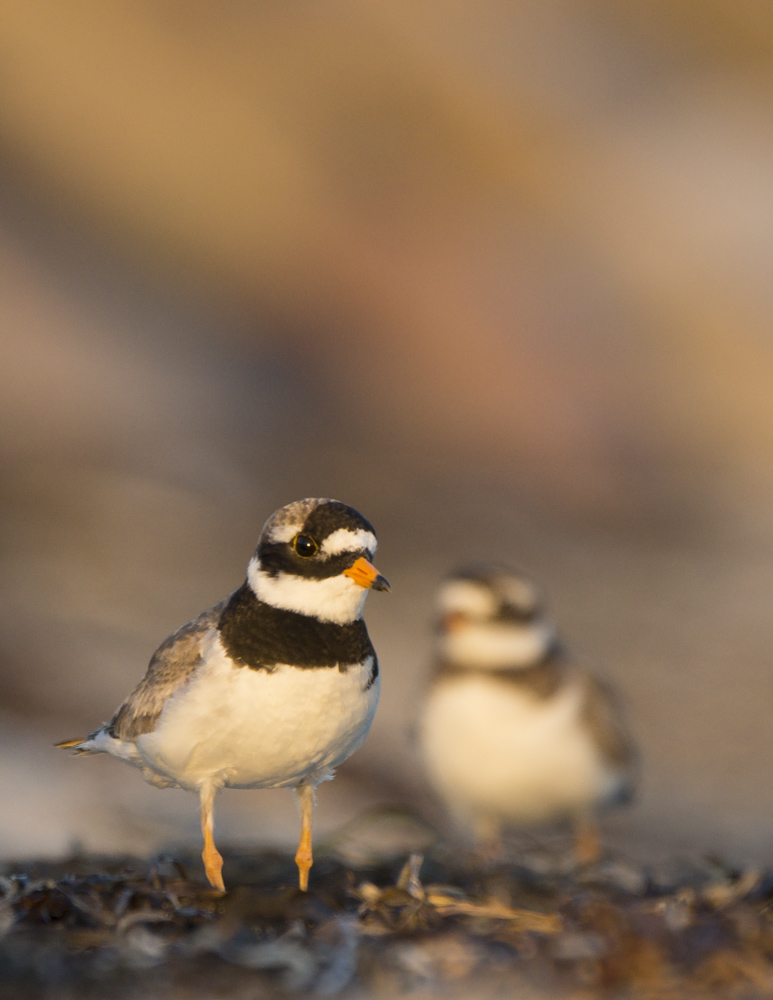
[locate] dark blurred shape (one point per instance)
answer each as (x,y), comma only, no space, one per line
(437,924)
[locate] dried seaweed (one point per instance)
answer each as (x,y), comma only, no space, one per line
(438,926)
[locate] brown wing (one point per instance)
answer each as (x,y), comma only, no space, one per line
(604,716)
(172,666)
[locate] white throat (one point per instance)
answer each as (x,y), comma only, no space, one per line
(333,599)
(488,645)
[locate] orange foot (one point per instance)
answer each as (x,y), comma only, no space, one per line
(587,844)
(304,861)
(213,866)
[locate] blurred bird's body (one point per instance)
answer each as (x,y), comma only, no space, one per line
(275,686)
(512,732)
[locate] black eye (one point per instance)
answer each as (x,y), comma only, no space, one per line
(305,546)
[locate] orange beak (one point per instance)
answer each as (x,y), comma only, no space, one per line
(453,621)
(366,575)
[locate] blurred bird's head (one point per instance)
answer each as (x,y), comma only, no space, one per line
(492,618)
(314,557)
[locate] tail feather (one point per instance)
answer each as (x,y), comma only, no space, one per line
(76,745)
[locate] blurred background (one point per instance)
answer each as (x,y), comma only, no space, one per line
(496,274)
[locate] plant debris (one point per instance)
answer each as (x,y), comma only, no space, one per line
(434,926)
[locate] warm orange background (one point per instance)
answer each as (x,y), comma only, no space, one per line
(498,274)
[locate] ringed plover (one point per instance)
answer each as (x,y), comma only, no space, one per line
(512,732)
(273,687)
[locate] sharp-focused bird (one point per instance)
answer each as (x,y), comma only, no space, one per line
(273,687)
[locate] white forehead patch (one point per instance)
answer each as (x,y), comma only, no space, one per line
(283,532)
(346,540)
(468,598)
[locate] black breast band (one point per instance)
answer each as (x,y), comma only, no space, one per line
(258,636)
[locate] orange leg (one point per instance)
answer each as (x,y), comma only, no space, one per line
(213,862)
(303,856)
(488,839)
(587,843)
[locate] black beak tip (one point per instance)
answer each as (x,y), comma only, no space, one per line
(381,583)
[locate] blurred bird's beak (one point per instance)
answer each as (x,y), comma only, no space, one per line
(366,575)
(452,621)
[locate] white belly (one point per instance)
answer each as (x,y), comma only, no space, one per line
(496,751)
(244,728)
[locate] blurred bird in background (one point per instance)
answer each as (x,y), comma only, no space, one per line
(490,271)
(513,732)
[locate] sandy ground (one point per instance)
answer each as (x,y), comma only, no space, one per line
(442,925)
